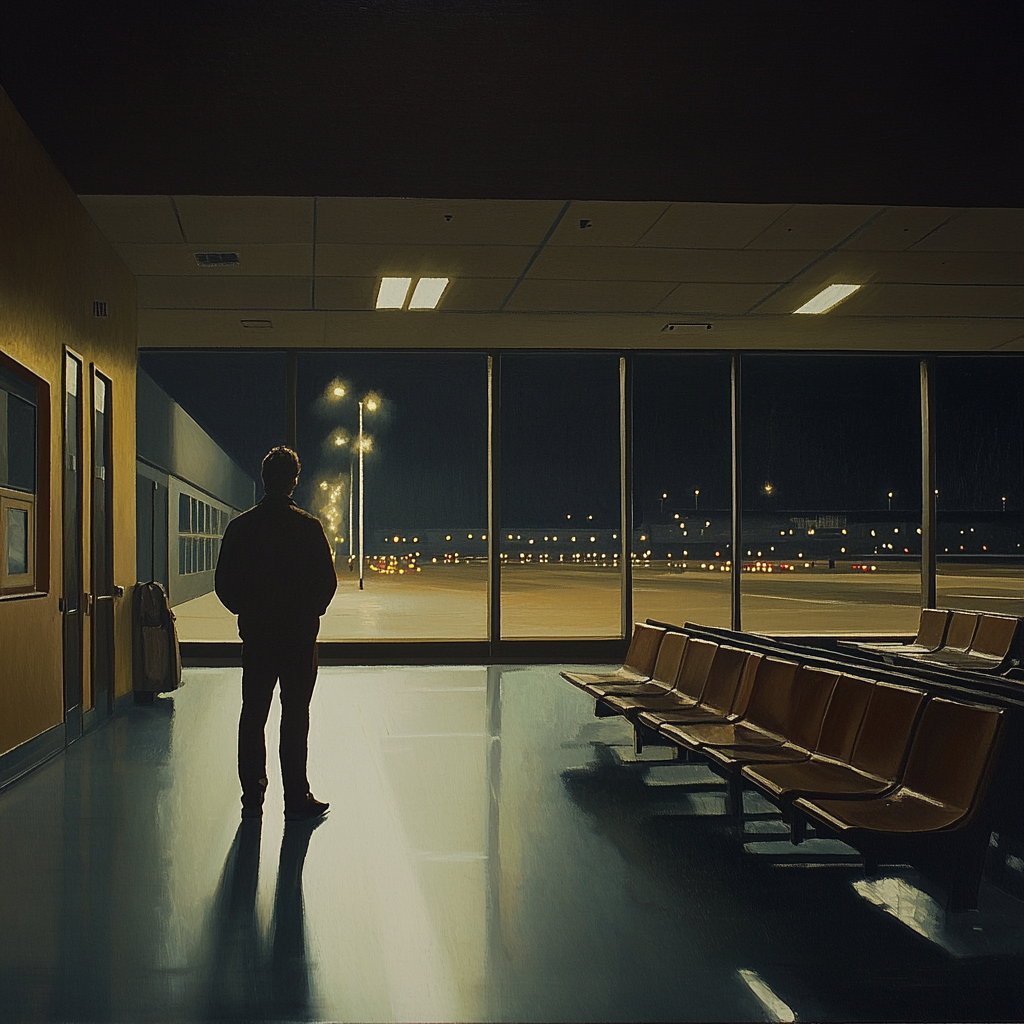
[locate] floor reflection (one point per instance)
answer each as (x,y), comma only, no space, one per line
(493,852)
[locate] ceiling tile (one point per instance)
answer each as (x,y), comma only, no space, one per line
(606,223)
(422,260)
(194,328)
(426,221)
(224,292)
(812,227)
(476,294)
(979,231)
(900,228)
(712,225)
(223,221)
(345,292)
(709,298)
(935,300)
(134,218)
(589,296)
(176,260)
(612,263)
(921,267)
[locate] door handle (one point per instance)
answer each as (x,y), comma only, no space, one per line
(87,603)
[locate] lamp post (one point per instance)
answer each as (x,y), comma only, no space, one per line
(696,495)
(371,404)
(890,500)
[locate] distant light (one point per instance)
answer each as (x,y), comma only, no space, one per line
(827,298)
(469,536)
(371,402)
(392,292)
(323,485)
(338,391)
(427,293)
(768,487)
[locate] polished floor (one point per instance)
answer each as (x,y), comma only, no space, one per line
(493,852)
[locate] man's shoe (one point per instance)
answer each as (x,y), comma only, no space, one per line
(311,809)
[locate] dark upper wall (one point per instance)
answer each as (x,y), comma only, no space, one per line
(875,103)
(169,439)
(53,264)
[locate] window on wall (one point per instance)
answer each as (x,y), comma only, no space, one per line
(831,494)
(979,462)
(682,488)
(19,467)
(200,531)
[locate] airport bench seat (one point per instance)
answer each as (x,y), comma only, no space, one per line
(935,811)
(864,759)
(959,635)
(686,688)
(663,677)
(763,722)
(637,666)
(993,642)
(931,633)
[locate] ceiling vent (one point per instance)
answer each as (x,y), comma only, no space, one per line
(217,259)
(687,327)
(257,323)
(99,308)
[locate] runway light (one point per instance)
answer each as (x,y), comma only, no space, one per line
(427,293)
(828,298)
(392,292)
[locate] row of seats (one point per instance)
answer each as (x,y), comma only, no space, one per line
(972,641)
(892,771)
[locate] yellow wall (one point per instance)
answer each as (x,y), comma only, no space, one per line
(53,264)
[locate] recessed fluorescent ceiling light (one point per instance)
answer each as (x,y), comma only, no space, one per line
(428,292)
(827,298)
(393,291)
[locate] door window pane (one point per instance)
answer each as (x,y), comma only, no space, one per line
(17,541)
(979,406)
(682,488)
(831,494)
(560,495)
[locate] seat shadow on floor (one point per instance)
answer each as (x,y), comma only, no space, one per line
(818,928)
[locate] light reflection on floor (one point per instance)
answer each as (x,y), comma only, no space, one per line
(493,852)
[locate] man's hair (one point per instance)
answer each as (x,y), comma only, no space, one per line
(280,468)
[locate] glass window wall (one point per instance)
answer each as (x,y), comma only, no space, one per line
(831,494)
(682,488)
(979,408)
(561,522)
(410,543)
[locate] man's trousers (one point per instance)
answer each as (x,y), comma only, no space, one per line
(265,660)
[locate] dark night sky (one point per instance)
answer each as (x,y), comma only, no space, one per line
(829,432)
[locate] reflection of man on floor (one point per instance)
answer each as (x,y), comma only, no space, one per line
(276,573)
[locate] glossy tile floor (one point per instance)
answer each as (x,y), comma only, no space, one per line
(493,852)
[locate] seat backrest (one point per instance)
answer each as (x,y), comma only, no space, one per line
(812,690)
(995,635)
(843,717)
(884,736)
(643,648)
(961,631)
(670,654)
(931,630)
(951,750)
(771,695)
(693,672)
(723,679)
(745,686)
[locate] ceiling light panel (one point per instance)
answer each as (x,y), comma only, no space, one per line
(827,298)
(427,293)
(392,292)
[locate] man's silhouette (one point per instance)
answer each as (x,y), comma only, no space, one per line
(276,573)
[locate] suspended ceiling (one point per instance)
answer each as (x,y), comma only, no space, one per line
(582,274)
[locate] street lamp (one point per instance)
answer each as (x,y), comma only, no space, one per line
(890,501)
(696,495)
(364,443)
(1004,502)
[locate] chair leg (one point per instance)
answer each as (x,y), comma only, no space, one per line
(734,796)
(797,827)
(638,740)
(967,865)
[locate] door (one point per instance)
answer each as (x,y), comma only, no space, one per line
(72,598)
(101,527)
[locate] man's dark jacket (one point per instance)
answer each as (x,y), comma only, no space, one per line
(275,571)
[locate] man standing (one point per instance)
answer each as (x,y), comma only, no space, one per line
(276,573)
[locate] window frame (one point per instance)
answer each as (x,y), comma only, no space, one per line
(35,582)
